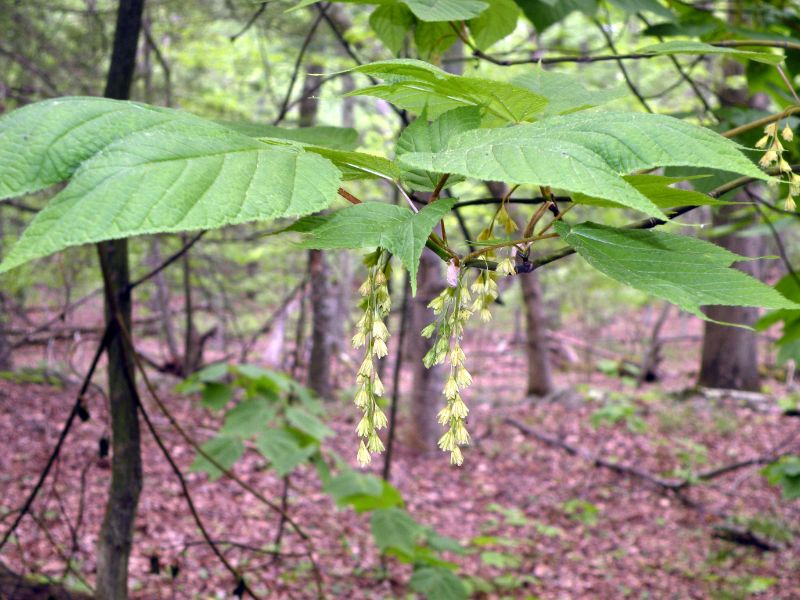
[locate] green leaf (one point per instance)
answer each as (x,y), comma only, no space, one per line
(565,93)
(431,136)
(391,23)
(785,473)
(394,529)
(224,450)
(43,143)
(789,342)
(216,395)
(683,270)
(423,88)
(585,153)
(247,418)
(446,10)
(337,138)
(437,583)
(363,491)
(692,47)
(544,13)
(373,224)
(495,23)
(631,7)
(359,165)
(657,189)
(212,373)
(501,560)
(307,423)
(168,172)
(283,451)
(433,39)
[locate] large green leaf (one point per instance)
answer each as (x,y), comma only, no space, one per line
(307,423)
(586,153)
(692,47)
(565,93)
(446,10)
(423,88)
(495,23)
(658,190)
(247,418)
(338,138)
(359,165)
(391,23)
(686,271)
(433,39)
(224,450)
(394,529)
(438,583)
(363,491)
(631,7)
(544,13)
(431,136)
(373,224)
(138,170)
(282,449)
(43,143)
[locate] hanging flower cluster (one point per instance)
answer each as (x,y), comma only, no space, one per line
(773,155)
(373,335)
(452,313)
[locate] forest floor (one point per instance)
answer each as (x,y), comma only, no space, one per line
(537,521)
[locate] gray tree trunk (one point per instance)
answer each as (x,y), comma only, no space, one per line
(730,354)
(116,534)
(6,360)
(162,302)
(540,375)
(322,297)
(426,391)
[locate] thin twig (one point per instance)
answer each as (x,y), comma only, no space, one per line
(61,438)
(250,22)
(398,363)
(184,249)
(298,61)
(187,495)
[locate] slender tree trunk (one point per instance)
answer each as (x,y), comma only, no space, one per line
(730,354)
(426,392)
(540,376)
(322,296)
(6,360)
(192,349)
(162,302)
(116,534)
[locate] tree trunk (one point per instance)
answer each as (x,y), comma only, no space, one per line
(322,296)
(540,376)
(730,354)
(116,535)
(426,391)
(192,348)
(6,360)
(161,303)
